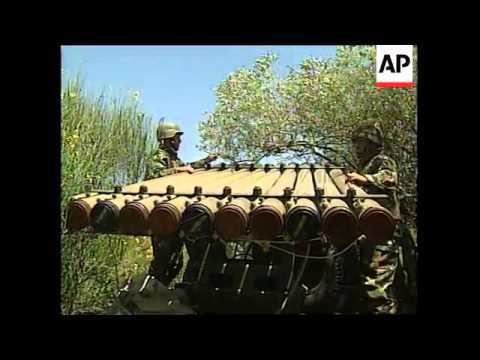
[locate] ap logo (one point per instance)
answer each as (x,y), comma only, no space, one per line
(394,66)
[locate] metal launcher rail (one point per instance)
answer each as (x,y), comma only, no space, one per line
(271,208)
(261,203)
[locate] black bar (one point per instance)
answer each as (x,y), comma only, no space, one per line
(247,195)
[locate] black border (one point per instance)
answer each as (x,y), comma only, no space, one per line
(48,169)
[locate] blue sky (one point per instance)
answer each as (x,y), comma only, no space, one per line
(174,81)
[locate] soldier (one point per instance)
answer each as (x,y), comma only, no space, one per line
(379,263)
(168,259)
(150,294)
(164,160)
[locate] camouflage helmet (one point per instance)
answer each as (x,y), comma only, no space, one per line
(167,130)
(369,131)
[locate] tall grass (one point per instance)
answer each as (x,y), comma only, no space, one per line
(105,141)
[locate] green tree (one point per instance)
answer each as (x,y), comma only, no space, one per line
(308,115)
(104,143)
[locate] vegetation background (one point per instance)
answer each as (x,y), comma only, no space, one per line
(306,116)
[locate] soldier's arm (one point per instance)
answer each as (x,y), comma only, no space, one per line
(199,163)
(157,166)
(203,162)
(385,174)
(156,170)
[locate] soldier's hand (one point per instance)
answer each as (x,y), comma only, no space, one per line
(356,179)
(186,168)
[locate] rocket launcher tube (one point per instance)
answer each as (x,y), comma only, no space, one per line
(134,215)
(339,179)
(287,179)
(208,180)
(302,221)
(323,180)
(209,183)
(304,185)
(245,185)
(231,220)
(160,184)
(199,216)
(229,176)
(208,203)
(267,181)
(165,218)
(266,221)
(79,210)
(375,221)
(105,214)
(83,196)
(338,221)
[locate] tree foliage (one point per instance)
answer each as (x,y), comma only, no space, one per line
(309,114)
(105,141)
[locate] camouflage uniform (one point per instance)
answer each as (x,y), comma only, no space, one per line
(164,160)
(380,262)
(162,163)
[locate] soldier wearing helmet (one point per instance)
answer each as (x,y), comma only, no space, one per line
(149,294)
(379,171)
(378,176)
(164,160)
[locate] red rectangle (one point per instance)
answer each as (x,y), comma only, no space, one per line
(393,84)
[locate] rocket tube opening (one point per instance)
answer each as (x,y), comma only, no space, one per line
(340,226)
(378,224)
(104,217)
(266,222)
(78,215)
(231,222)
(134,219)
(302,223)
(197,219)
(164,219)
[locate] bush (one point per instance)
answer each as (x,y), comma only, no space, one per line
(104,142)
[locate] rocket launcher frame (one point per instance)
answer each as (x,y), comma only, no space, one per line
(240,201)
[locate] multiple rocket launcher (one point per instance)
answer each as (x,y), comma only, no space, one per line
(238,203)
